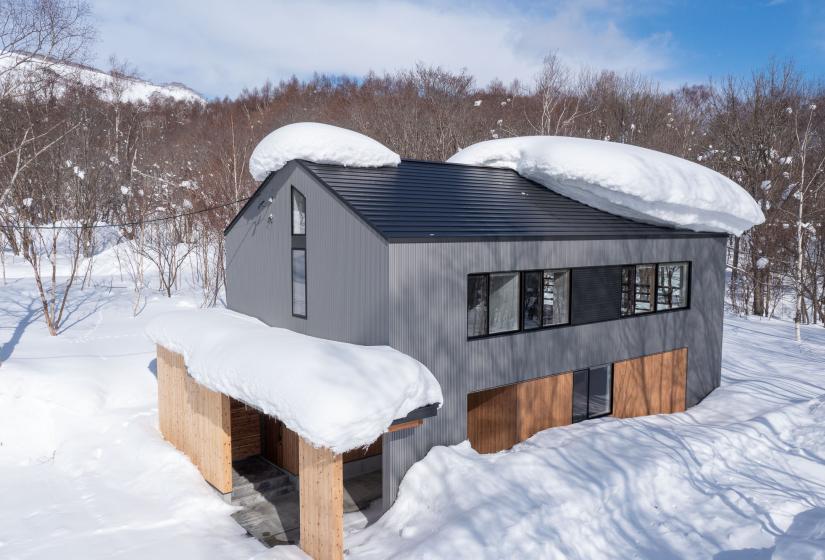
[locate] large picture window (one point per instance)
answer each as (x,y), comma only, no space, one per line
(299,282)
(504,302)
(592,392)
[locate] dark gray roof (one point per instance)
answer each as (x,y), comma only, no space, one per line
(420,200)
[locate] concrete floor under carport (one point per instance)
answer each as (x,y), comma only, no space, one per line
(270,504)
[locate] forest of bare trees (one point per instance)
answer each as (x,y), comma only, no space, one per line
(73,159)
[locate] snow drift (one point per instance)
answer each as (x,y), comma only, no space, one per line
(336,395)
(319,143)
(630,181)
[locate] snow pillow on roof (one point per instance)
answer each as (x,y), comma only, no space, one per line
(319,143)
(630,181)
(333,394)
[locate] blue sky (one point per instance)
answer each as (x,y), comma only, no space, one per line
(219,47)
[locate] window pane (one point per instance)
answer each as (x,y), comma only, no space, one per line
(645,282)
(504,292)
(477,305)
(580,395)
(600,389)
(299,282)
(299,213)
(672,286)
(532,300)
(628,277)
(556,304)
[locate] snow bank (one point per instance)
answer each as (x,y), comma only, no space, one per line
(319,143)
(336,395)
(630,181)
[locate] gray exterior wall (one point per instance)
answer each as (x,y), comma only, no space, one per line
(347,264)
(428,321)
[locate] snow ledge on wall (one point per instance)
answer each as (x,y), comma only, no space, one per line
(319,143)
(637,183)
(335,395)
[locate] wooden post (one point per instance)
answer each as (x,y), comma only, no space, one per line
(321,484)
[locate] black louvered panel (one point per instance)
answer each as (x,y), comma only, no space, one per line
(596,294)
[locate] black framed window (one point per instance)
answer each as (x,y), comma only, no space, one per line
(298,227)
(477,285)
(503,302)
(299,213)
(592,392)
(556,297)
(638,289)
(531,301)
(299,282)
(672,284)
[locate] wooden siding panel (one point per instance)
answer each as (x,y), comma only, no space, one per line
(499,418)
(195,420)
(653,384)
(321,489)
(544,403)
(246,430)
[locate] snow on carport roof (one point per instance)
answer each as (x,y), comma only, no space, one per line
(335,395)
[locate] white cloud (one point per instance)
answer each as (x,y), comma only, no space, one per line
(219,47)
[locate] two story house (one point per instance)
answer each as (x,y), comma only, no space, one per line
(531,309)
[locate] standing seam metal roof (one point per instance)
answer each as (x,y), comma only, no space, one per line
(420,200)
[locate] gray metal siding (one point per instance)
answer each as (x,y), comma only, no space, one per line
(595,294)
(427,320)
(347,282)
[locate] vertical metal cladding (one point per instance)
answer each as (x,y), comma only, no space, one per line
(347,287)
(427,320)
(596,294)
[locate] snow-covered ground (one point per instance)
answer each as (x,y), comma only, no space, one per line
(84,472)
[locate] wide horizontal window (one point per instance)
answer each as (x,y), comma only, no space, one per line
(654,287)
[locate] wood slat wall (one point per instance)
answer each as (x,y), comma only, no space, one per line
(653,384)
(499,418)
(195,420)
(246,430)
(321,489)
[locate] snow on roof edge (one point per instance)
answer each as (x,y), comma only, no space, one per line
(318,143)
(626,180)
(336,395)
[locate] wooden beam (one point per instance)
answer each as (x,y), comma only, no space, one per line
(405,425)
(321,488)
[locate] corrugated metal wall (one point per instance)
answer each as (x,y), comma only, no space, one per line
(596,294)
(428,321)
(347,286)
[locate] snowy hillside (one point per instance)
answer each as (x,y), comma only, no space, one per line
(127,89)
(86,473)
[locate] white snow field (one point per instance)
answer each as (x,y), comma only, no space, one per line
(622,179)
(85,474)
(336,395)
(319,143)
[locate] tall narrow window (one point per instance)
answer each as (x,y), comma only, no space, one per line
(299,213)
(477,305)
(672,286)
(298,206)
(504,302)
(580,395)
(299,282)
(532,301)
(556,297)
(638,289)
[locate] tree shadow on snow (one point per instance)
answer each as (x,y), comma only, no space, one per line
(25,315)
